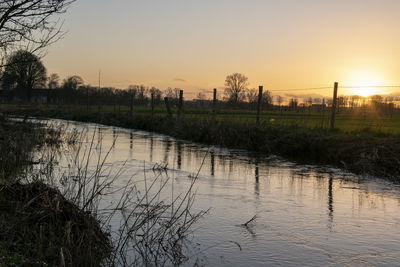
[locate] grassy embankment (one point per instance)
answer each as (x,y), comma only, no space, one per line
(49,219)
(347,122)
(371,150)
(38,226)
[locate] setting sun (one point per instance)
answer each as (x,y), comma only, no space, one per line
(365,83)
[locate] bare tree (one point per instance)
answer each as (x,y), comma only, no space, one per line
(176,92)
(293,103)
(157,94)
(142,94)
(252,96)
(169,93)
(72,82)
(29,24)
(279,100)
(267,98)
(236,85)
(53,81)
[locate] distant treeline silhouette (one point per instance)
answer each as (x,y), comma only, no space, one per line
(24,80)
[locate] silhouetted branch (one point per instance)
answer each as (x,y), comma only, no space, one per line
(27,24)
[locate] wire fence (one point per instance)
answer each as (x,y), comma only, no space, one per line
(379,113)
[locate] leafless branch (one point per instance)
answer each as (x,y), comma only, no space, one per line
(30,24)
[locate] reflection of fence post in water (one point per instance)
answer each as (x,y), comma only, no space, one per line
(257,183)
(212,157)
(168,107)
(167,149)
(256,174)
(330,199)
(179,154)
(131,141)
(99,135)
(260,93)
(151,147)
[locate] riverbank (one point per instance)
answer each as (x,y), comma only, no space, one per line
(362,152)
(52,218)
(38,225)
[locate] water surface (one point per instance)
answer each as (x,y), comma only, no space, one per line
(306,215)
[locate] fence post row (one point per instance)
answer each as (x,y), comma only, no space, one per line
(335,90)
(260,93)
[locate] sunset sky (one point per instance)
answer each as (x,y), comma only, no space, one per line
(194,45)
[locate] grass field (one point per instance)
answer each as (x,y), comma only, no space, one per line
(345,121)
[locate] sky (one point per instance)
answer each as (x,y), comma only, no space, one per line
(195,44)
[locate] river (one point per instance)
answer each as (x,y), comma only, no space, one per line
(305,215)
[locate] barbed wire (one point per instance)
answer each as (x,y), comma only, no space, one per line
(301,89)
(331,88)
(369,86)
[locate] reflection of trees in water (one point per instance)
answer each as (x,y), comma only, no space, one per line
(230,165)
(257,177)
(151,147)
(99,135)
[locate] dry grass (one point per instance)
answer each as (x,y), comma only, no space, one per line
(53,219)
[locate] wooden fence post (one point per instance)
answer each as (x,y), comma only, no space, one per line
(335,90)
(168,107)
(214,104)
(180,104)
(260,93)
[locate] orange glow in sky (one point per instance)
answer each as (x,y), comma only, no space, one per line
(194,45)
(368,82)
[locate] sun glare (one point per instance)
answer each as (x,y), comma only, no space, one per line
(365,83)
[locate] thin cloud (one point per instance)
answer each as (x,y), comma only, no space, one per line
(180,80)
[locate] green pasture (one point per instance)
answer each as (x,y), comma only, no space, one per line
(345,121)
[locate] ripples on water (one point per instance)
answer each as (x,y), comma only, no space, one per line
(306,215)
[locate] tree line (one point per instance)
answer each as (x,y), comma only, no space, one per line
(25,73)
